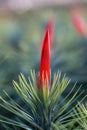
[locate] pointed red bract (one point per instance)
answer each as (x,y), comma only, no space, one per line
(44,74)
(50,27)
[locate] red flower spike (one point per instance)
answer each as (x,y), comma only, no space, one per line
(50,27)
(44,74)
(79,23)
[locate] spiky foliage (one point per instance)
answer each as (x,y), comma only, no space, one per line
(45,110)
(81,113)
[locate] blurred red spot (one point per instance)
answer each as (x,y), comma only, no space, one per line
(79,23)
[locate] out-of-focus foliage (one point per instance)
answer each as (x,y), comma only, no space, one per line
(21,37)
(20,44)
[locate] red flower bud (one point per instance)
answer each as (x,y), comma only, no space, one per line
(44,74)
(50,27)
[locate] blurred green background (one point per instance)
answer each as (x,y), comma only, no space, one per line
(21,35)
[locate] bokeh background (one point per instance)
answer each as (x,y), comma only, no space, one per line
(22,26)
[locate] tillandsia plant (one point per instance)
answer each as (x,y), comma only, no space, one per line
(46,110)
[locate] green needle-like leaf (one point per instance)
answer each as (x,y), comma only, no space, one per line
(45,109)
